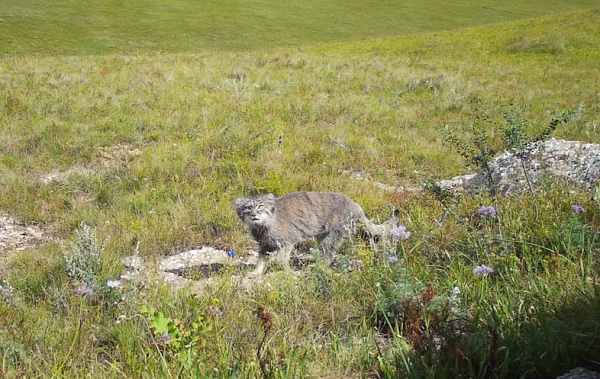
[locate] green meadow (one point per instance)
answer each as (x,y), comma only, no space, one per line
(154,116)
(113,26)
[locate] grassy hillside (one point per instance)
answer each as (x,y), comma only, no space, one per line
(152,149)
(83,27)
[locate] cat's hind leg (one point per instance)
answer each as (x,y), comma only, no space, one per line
(331,243)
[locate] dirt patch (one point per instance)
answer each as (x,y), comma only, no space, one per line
(15,236)
(57,176)
(363,176)
(109,156)
(118,153)
(580,373)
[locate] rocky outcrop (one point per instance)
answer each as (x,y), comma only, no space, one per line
(577,163)
(196,269)
(192,268)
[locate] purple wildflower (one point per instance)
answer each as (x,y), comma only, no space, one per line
(393,259)
(231,253)
(578,209)
(84,291)
(166,337)
(487,211)
(400,233)
(112,283)
(483,270)
(215,311)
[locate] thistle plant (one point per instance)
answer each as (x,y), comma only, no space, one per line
(400,233)
(483,270)
(83,261)
(6,292)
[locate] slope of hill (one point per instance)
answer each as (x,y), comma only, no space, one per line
(112,26)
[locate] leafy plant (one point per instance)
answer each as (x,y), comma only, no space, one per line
(173,333)
(322,282)
(83,262)
(476,148)
(6,292)
(184,343)
(515,137)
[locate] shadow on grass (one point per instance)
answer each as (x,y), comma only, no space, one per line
(550,343)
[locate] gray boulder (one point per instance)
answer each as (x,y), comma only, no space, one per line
(573,161)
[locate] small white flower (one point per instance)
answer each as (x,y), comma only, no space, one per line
(112,283)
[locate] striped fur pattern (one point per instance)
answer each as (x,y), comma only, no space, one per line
(277,224)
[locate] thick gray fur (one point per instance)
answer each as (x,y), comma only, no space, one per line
(277,224)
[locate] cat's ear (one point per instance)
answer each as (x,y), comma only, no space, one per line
(239,202)
(269,200)
(239,207)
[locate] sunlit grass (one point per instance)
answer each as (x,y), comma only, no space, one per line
(80,27)
(162,144)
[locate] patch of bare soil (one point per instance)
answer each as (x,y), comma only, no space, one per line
(15,236)
(57,176)
(109,156)
(515,171)
(362,176)
(118,153)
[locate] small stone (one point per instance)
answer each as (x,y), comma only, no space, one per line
(580,373)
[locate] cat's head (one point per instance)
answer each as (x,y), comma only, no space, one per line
(256,210)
